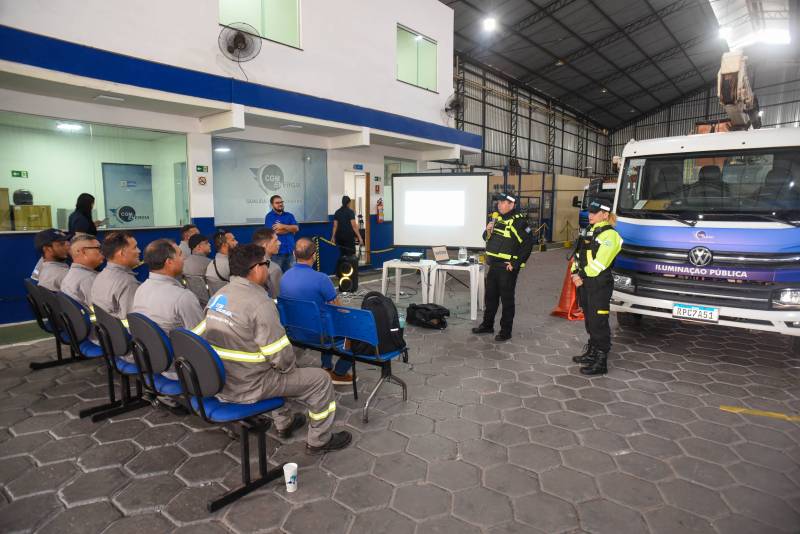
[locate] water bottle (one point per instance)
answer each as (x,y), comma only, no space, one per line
(462,254)
(401,317)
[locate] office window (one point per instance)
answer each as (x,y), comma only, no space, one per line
(416,59)
(393,166)
(248,173)
(137,177)
(276,20)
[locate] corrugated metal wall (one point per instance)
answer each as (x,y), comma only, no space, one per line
(488,112)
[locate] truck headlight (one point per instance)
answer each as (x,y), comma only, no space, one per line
(786,299)
(623,283)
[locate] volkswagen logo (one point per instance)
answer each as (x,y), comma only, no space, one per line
(700,256)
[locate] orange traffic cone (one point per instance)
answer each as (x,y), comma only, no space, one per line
(568,306)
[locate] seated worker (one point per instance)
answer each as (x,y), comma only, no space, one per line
(162,297)
(53,245)
(243,325)
(115,286)
(36,269)
(267,239)
(195,265)
(187,231)
(86,257)
(302,282)
(217,272)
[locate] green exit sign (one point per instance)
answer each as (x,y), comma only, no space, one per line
(202,168)
(19,174)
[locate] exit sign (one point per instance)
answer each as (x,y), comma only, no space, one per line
(202,168)
(19,174)
(358,166)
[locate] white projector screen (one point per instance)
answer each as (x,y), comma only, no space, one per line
(439,209)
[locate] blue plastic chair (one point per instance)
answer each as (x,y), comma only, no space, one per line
(47,321)
(153,354)
(359,325)
(116,342)
(76,323)
(202,375)
(304,324)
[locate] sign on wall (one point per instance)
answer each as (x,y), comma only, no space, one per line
(249,174)
(128,194)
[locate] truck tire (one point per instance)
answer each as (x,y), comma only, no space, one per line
(629,320)
(794,349)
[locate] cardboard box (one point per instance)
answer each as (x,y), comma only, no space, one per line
(32,218)
(5,211)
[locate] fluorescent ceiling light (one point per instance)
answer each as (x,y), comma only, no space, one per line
(110,98)
(603,90)
(222,149)
(295,126)
(69,127)
(725,33)
(490,24)
(418,38)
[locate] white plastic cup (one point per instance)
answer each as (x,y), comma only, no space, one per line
(290,474)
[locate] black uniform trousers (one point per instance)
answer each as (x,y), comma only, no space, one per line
(595,297)
(500,286)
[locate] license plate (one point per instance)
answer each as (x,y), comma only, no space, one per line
(695,313)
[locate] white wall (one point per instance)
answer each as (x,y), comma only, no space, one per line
(348,46)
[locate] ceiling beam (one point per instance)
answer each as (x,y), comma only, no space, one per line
(549,53)
(675,39)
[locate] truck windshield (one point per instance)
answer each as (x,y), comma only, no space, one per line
(720,185)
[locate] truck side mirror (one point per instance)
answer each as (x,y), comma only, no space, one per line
(576,202)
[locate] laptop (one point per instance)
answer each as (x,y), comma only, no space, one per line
(441,257)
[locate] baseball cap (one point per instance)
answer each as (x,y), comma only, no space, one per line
(598,204)
(504,196)
(195,240)
(48,237)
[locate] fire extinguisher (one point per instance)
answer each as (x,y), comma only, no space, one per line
(380,210)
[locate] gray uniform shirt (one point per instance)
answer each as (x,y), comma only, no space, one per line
(78,283)
(242,322)
(36,269)
(274,283)
(51,274)
(113,290)
(216,282)
(194,271)
(184,246)
(166,302)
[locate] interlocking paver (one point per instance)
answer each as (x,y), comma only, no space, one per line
(600,516)
(100,484)
(510,480)
(481,506)
(545,512)
(86,519)
(422,501)
(454,475)
(399,468)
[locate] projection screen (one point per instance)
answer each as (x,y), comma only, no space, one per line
(439,209)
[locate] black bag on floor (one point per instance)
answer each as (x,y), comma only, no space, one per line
(427,316)
(387,323)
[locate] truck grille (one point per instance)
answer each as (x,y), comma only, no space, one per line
(721,259)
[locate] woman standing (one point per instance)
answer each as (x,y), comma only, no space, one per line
(80,220)
(591,274)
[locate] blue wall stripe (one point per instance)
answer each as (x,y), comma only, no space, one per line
(49,53)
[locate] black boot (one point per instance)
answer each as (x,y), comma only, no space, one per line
(598,366)
(481,329)
(587,356)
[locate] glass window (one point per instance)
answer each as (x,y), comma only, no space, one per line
(137,177)
(724,185)
(247,174)
(276,20)
(393,166)
(416,59)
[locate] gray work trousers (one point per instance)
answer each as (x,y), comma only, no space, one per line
(312,387)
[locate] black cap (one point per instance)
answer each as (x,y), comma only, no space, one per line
(195,240)
(504,196)
(601,202)
(48,237)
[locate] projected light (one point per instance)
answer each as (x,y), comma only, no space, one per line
(434,208)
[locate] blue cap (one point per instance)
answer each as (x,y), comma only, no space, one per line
(596,205)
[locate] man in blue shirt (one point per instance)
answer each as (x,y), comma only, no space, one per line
(302,282)
(285,225)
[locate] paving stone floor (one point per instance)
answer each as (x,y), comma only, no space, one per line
(495,438)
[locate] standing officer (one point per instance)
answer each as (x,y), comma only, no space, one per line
(243,326)
(591,274)
(509,245)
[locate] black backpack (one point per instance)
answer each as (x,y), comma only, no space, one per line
(427,316)
(387,323)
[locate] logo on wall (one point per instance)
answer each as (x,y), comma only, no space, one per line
(268,177)
(126,214)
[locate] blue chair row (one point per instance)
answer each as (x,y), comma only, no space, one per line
(330,329)
(47,319)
